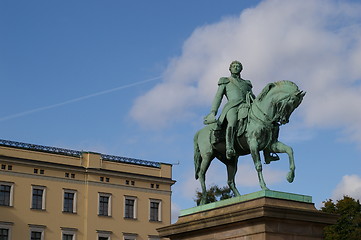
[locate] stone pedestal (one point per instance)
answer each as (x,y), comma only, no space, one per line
(264,215)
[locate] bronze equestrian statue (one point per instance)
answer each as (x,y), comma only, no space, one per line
(246,125)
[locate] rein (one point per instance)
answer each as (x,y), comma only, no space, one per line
(268,121)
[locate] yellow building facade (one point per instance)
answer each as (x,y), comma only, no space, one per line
(49,193)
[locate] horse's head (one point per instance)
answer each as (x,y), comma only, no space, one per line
(285,107)
(281,98)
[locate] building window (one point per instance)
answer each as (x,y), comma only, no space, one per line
(67,236)
(155,210)
(68,233)
(38,197)
(5,230)
(104,207)
(130,236)
(10,167)
(69,203)
(130,207)
(6,194)
(4,234)
(3,166)
(36,170)
(35,235)
(36,232)
(104,235)
(151,237)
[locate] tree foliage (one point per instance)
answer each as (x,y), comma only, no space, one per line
(348,226)
(214,194)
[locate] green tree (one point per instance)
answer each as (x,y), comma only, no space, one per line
(214,194)
(348,226)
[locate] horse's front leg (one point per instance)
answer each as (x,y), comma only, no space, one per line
(279,147)
(253,145)
(206,161)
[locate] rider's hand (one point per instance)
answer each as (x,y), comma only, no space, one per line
(210,118)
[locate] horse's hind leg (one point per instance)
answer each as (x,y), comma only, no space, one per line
(231,172)
(206,161)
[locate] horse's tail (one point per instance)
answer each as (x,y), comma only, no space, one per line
(197,155)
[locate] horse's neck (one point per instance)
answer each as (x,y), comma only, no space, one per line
(263,110)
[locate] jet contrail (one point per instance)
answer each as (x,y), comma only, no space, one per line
(77,99)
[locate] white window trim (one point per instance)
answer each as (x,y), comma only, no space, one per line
(43,206)
(106,234)
(8,226)
(11,184)
(74,201)
(109,203)
(37,228)
(159,209)
(135,206)
(68,231)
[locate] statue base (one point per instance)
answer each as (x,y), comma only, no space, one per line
(263,215)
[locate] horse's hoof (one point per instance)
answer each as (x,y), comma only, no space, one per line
(290,177)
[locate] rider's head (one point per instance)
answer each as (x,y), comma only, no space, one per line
(240,67)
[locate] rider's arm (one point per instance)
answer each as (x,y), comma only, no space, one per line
(219,95)
(211,117)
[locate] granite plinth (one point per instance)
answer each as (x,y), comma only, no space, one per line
(265,215)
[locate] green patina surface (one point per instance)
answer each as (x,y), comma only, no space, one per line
(247,197)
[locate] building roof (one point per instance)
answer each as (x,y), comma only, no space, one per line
(75,153)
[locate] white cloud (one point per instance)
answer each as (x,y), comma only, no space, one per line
(315,43)
(350,185)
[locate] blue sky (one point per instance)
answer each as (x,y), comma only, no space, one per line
(135,78)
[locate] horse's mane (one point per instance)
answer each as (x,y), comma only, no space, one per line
(283,83)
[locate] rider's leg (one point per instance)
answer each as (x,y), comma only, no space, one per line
(230,132)
(269,157)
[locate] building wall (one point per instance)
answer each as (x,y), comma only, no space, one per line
(87,175)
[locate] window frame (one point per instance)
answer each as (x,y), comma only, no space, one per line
(104,234)
(70,231)
(130,236)
(37,228)
(11,193)
(8,226)
(74,200)
(43,198)
(159,212)
(134,207)
(109,210)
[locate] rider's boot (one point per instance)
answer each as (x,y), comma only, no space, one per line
(268,157)
(230,152)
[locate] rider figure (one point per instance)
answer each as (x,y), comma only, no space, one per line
(235,89)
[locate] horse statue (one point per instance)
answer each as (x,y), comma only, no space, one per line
(270,109)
